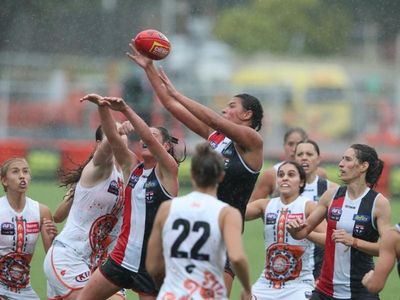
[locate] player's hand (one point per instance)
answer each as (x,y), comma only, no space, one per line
(116,103)
(367,278)
(341,236)
(171,90)
(125,128)
(94,98)
(295,226)
(138,58)
(50,227)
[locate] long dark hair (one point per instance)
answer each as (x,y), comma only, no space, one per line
(172,141)
(250,102)
(301,171)
(365,153)
(68,177)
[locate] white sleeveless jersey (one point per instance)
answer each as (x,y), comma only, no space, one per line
(19,234)
(288,261)
(311,190)
(194,250)
(93,219)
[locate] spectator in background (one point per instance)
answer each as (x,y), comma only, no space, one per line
(22,220)
(94,203)
(389,251)
(193,263)
(357,216)
(266,184)
(147,184)
(234,135)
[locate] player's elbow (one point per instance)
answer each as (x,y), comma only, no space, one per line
(374,288)
(237,259)
(151,267)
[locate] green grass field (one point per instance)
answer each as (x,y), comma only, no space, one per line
(50,194)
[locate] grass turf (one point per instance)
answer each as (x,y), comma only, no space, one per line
(49,194)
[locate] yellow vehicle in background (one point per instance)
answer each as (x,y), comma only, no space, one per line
(316,97)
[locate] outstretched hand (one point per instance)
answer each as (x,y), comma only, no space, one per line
(138,58)
(171,90)
(94,98)
(116,103)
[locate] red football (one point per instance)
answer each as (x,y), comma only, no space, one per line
(152,44)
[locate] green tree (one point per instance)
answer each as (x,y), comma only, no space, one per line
(301,26)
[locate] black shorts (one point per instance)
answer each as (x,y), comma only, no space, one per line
(228,267)
(317,295)
(139,282)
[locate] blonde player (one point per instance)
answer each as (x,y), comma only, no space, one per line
(22,220)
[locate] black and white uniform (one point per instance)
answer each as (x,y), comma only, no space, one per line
(239,179)
(344,267)
(193,249)
(125,265)
(314,191)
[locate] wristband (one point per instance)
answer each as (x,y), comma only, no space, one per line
(355,243)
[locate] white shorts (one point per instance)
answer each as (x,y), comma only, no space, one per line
(65,270)
(299,291)
(26,293)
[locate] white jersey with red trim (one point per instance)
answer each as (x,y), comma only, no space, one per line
(289,263)
(92,223)
(19,234)
(194,250)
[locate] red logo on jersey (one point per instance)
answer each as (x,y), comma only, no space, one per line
(32,227)
(292,217)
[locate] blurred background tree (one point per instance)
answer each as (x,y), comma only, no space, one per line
(303,26)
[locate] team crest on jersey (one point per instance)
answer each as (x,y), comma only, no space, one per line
(270,218)
(149,197)
(335,213)
(213,144)
(361,218)
(226,162)
(113,188)
(7,228)
(358,228)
